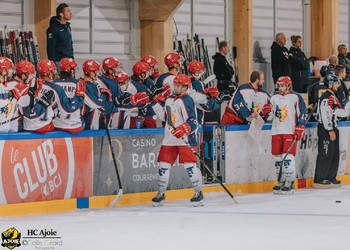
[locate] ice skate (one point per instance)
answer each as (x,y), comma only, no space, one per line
(288,188)
(197,199)
(158,199)
(277,188)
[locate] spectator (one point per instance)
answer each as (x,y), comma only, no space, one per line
(222,69)
(342,93)
(343,60)
(59,37)
(279,58)
(299,65)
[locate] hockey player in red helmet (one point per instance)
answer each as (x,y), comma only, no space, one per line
(288,112)
(183,116)
(152,62)
(111,67)
(67,68)
(6,69)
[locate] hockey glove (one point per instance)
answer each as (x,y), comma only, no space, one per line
(180,131)
(266,109)
(333,102)
(140,98)
(154,90)
(47,98)
(80,89)
(107,92)
(225,95)
(299,132)
(35,87)
(122,100)
(211,92)
(164,95)
(14,93)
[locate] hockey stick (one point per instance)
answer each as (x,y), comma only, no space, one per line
(291,146)
(11,120)
(120,192)
(170,122)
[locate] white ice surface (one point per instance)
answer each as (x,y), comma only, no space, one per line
(309,219)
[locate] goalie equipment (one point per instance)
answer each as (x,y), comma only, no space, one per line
(25,68)
(171,58)
(45,66)
(90,66)
(110,63)
(140,98)
(67,64)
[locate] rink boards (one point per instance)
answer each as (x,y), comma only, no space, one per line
(59,171)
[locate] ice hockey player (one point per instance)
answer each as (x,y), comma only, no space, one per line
(327,162)
(183,117)
(152,62)
(289,119)
(69,119)
(8,107)
(248,102)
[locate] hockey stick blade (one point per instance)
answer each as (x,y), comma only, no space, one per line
(116,199)
(170,122)
(209,79)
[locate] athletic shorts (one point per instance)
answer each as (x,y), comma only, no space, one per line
(281,143)
(169,154)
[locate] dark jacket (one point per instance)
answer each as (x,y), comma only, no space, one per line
(59,40)
(342,93)
(223,71)
(343,60)
(299,69)
(279,63)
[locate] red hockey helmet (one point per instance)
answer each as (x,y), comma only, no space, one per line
(150,60)
(45,66)
(90,66)
(66,64)
(171,58)
(122,78)
(183,80)
(284,80)
(24,67)
(110,63)
(140,67)
(5,64)
(195,66)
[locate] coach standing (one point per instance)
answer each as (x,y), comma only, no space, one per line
(59,37)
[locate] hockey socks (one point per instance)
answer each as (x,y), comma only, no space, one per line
(196,179)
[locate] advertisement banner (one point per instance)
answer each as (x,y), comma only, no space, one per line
(257,163)
(136,157)
(45,169)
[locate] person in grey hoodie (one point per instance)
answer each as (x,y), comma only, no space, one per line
(59,37)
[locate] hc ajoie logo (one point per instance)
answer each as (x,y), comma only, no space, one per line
(11,238)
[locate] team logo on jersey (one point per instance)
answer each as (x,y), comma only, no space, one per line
(173,117)
(255,108)
(281,113)
(11,238)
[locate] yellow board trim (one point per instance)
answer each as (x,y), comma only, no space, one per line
(140,198)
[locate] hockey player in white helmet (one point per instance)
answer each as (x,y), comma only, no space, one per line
(289,119)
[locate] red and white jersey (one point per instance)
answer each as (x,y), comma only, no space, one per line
(8,108)
(288,111)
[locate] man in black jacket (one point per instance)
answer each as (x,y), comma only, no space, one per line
(59,37)
(279,58)
(222,69)
(343,60)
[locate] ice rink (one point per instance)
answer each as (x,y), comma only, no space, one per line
(309,219)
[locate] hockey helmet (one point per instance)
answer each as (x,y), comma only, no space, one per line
(284,80)
(110,63)
(140,67)
(90,66)
(66,64)
(24,67)
(122,78)
(5,64)
(171,58)
(150,60)
(46,66)
(195,66)
(183,80)
(330,79)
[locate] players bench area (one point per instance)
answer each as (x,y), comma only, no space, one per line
(59,171)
